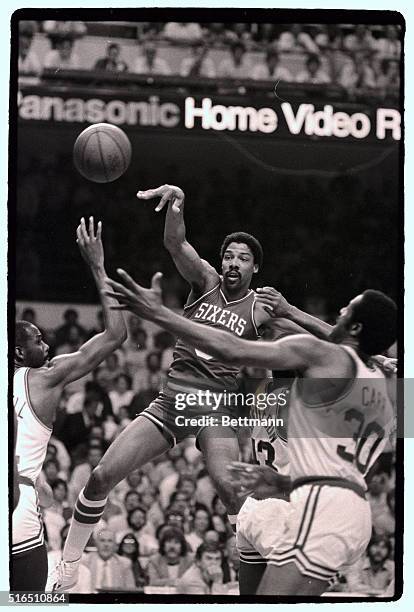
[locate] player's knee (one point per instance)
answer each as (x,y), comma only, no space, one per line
(100,481)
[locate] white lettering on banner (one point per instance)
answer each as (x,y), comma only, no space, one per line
(325,122)
(388,119)
(220,117)
(305,120)
(94,110)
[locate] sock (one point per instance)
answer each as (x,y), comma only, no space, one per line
(232,520)
(86,515)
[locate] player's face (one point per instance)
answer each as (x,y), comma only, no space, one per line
(344,321)
(238,266)
(36,351)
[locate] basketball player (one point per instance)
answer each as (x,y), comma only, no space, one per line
(224,302)
(37,388)
(340,417)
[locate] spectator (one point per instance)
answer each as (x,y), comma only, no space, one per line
(112,369)
(201,524)
(119,522)
(179,32)
(136,480)
(389,77)
(112,61)
(74,342)
(377,494)
(60,499)
(231,563)
(175,518)
(154,513)
(198,65)
(71,318)
(63,57)
(205,576)
(219,518)
(169,483)
(375,572)
(330,38)
(137,520)
(239,32)
(128,547)
(28,61)
(385,522)
(100,325)
(136,346)
(237,66)
(81,473)
(389,45)
(313,72)
(271,70)
(217,34)
(295,39)
(108,570)
(57,450)
(51,471)
(149,63)
(122,393)
(357,74)
(151,377)
(266,34)
(165,567)
(360,40)
(58,30)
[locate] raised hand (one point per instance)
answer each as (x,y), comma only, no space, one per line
(167,193)
(131,296)
(90,244)
(273,301)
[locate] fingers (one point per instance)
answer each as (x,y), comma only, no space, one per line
(156,282)
(121,289)
(91,228)
(152,193)
(84,231)
(165,198)
(79,236)
(99,231)
(176,205)
(129,281)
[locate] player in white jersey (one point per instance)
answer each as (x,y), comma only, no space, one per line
(37,388)
(261,519)
(339,421)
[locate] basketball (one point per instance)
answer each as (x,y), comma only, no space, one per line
(102,153)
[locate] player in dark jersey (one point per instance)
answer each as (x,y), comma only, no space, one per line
(196,381)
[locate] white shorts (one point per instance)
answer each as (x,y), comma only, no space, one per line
(260,526)
(27,524)
(328,527)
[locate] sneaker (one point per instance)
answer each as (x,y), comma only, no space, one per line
(63,577)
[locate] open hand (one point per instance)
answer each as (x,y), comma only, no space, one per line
(167,193)
(273,301)
(143,302)
(90,245)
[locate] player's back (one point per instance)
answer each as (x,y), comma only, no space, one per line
(341,438)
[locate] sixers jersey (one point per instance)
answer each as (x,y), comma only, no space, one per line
(344,437)
(269,438)
(192,367)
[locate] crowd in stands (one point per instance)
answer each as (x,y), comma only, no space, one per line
(357,58)
(164,528)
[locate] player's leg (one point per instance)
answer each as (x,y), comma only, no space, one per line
(28,571)
(138,444)
(287,580)
(220,446)
(250,575)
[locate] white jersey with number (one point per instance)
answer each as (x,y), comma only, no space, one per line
(269,437)
(31,447)
(344,437)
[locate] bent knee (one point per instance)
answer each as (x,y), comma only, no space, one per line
(100,480)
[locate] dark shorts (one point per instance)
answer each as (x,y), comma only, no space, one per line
(28,571)
(182,414)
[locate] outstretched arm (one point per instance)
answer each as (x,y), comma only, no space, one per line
(67,368)
(196,271)
(298,352)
